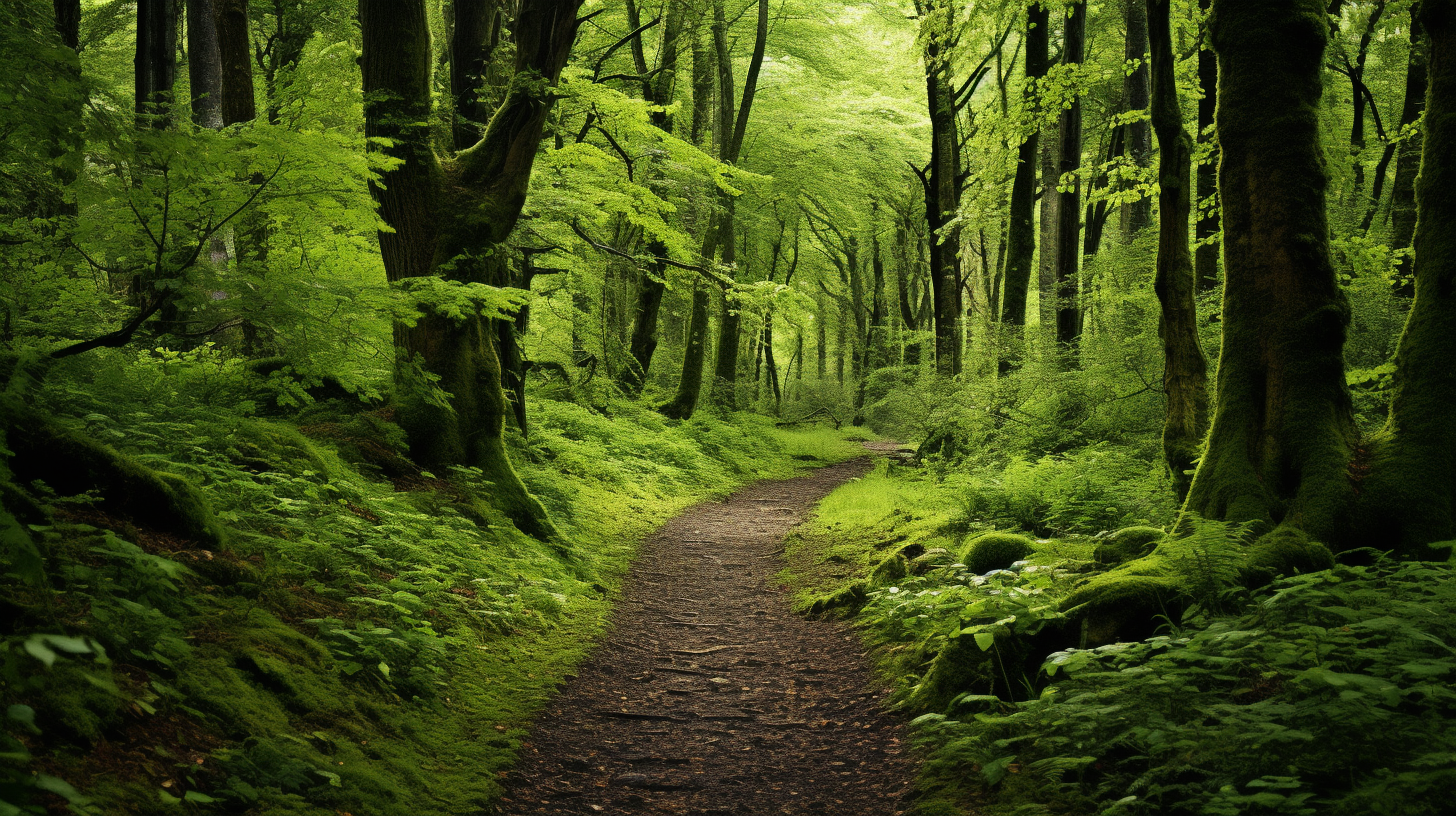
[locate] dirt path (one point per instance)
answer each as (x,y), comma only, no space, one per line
(709,696)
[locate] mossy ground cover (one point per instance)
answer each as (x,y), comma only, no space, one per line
(369,638)
(1323,691)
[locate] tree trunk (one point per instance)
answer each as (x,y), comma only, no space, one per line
(204,64)
(473,39)
(1206,256)
(1050,231)
(156,61)
(1069,232)
(236,57)
(1185,372)
(1021,241)
(68,22)
(450,219)
(691,382)
(1135,88)
(1409,499)
(1280,447)
(1408,157)
(725,374)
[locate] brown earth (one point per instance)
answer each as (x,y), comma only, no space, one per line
(710,696)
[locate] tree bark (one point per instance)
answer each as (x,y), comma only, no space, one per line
(1135,89)
(1280,447)
(156,61)
(238,103)
(473,39)
(1206,256)
(1185,372)
(1021,241)
(1050,218)
(449,219)
(691,382)
(204,64)
(1069,249)
(942,205)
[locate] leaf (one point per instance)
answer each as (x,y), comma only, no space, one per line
(194,796)
(985,640)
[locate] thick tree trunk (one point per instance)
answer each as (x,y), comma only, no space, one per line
(1408,156)
(204,64)
(1280,448)
(156,61)
(1206,256)
(1185,372)
(1135,89)
(236,56)
(1409,498)
(451,219)
(1021,240)
(1069,232)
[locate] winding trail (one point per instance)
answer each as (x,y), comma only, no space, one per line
(708,695)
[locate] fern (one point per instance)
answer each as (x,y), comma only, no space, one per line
(1210,558)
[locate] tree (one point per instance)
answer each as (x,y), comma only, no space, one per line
(1021,237)
(1206,256)
(1135,89)
(1408,500)
(156,61)
(1283,434)
(204,64)
(1069,228)
(1185,372)
(942,182)
(449,220)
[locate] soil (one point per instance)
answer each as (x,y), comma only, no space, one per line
(708,695)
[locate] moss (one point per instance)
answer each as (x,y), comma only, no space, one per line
(958,667)
(890,571)
(71,464)
(1122,605)
(1286,551)
(994,551)
(1127,544)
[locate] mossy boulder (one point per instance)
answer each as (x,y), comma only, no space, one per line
(1286,551)
(995,551)
(1128,544)
(1123,605)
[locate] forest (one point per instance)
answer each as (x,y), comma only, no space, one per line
(939,408)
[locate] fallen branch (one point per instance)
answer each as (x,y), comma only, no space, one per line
(821,412)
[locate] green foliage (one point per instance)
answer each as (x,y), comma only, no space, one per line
(1322,695)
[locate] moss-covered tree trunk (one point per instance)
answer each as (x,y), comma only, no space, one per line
(1283,433)
(691,382)
(1021,233)
(450,219)
(1185,372)
(1409,498)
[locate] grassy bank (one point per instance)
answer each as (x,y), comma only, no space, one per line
(1325,692)
(360,637)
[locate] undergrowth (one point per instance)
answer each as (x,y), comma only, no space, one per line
(371,637)
(1318,693)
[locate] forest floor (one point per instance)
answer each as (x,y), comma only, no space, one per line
(708,695)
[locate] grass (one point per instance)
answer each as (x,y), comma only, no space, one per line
(370,640)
